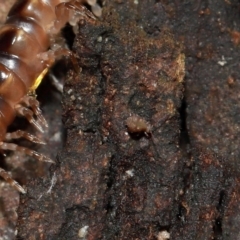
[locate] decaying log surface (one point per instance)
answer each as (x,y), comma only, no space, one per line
(178,176)
(209,205)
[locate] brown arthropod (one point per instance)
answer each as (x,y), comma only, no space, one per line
(27,50)
(138,125)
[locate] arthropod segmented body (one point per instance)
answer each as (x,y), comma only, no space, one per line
(136,124)
(25,57)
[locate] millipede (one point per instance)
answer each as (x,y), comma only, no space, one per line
(28,48)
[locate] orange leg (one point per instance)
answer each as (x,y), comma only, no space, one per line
(21,134)
(32,102)
(12,182)
(55,53)
(29,108)
(16,148)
